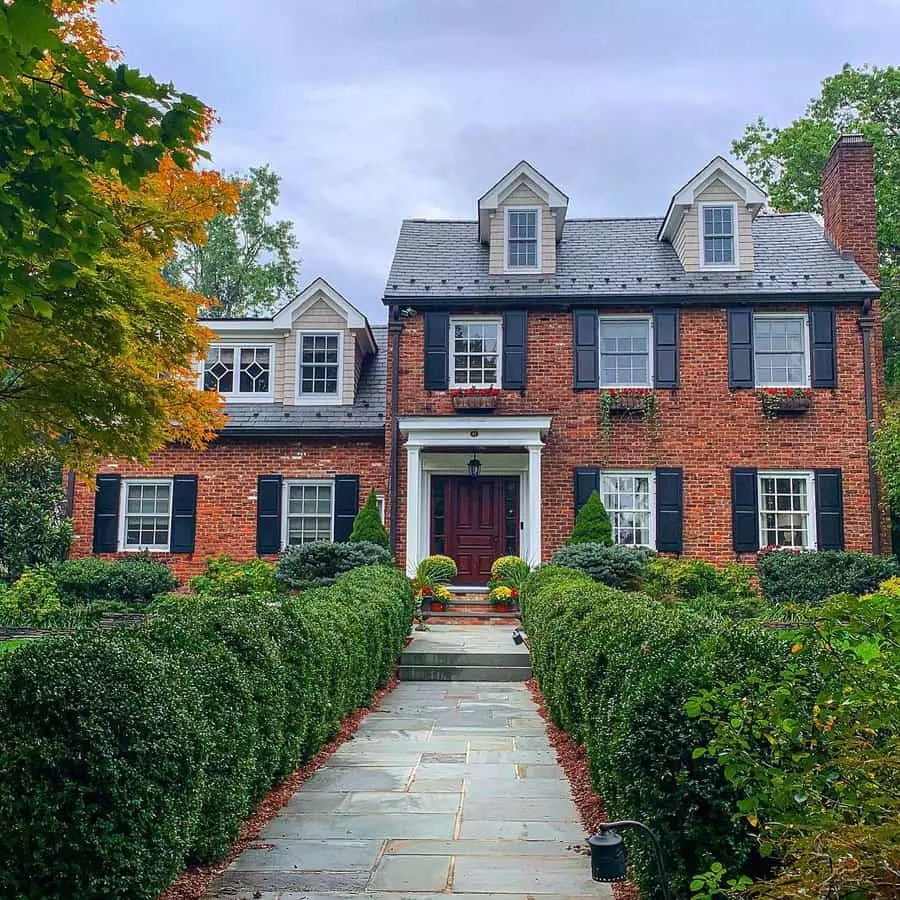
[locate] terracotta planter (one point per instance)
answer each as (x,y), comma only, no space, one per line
(504,607)
(437,606)
(475,403)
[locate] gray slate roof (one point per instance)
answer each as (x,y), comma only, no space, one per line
(364,418)
(619,259)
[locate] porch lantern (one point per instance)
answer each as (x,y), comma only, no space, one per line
(609,862)
(474,466)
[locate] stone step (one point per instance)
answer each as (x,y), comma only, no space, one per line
(451,658)
(464,673)
(487,612)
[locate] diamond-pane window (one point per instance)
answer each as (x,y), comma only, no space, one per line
(320,364)
(309,512)
(218,370)
(254,375)
(254,370)
(147,514)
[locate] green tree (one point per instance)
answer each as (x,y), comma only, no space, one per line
(367,525)
(246,262)
(592,523)
(788,162)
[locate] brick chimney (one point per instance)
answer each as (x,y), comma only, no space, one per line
(848,201)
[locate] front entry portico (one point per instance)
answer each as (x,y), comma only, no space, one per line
(438,451)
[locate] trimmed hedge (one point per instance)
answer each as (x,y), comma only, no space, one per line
(126,754)
(619,567)
(615,670)
(128,581)
(320,563)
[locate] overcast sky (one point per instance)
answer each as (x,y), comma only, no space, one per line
(376,110)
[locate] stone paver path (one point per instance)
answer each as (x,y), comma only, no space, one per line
(448,789)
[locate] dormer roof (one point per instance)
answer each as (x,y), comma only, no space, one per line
(523,173)
(717,169)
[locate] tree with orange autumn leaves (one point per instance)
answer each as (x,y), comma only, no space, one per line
(96,360)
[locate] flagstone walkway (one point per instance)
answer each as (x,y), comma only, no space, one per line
(448,789)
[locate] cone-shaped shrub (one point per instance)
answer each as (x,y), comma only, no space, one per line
(592,523)
(367,525)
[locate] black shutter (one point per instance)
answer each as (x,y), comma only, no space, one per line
(346,505)
(665,348)
(829,510)
(740,348)
(268,514)
(586,482)
(437,340)
(515,342)
(744,510)
(106,513)
(823,346)
(586,328)
(184,513)
(669,510)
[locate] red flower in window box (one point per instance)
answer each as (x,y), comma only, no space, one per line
(784,401)
(475,399)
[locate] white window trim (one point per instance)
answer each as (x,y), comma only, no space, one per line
(537,231)
(476,320)
(807,382)
(379,501)
(718,267)
(237,396)
(650,371)
(285,494)
(810,502)
(640,473)
(123,507)
(302,399)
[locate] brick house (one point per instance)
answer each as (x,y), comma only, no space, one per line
(635,357)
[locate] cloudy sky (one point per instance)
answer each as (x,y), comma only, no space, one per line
(376,110)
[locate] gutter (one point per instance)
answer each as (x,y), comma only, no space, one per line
(867,327)
(287,431)
(395,329)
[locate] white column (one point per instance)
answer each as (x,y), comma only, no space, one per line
(533,506)
(413,508)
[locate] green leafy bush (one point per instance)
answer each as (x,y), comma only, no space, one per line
(592,525)
(320,563)
(809,577)
(615,670)
(30,601)
(703,587)
(223,577)
(620,567)
(510,571)
(128,581)
(126,754)
(367,526)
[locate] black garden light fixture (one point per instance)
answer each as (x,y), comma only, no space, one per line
(609,862)
(474,466)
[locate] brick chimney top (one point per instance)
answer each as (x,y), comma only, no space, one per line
(848,201)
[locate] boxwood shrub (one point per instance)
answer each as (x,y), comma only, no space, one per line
(319,564)
(128,581)
(615,670)
(126,754)
(619,567)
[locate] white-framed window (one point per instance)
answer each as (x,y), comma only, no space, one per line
(787,510)
(629,498)
(475,352)
(308,512)
(718,235)
(626,357)
(145,515)
(379,501)
(523,238)
(240,371)
(781,350)
(320,366)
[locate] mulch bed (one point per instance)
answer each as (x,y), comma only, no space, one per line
(194,881)
(573,759)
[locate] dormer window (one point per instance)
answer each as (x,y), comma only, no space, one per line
(718,223)
(522,236)
(239,372)
(320,366)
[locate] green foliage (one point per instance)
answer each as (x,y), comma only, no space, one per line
(619,567)
(510,571)
(592,523)
(367,526)
(33,527)
(320,563)
(886,447)
(162,738)
(247,263)
(126,581)
(434,570)
(223,577)
(615,670)
(31,600)
(810,577)
(703,587)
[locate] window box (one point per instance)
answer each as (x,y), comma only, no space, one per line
(626,402)
(785,402)
(479,400)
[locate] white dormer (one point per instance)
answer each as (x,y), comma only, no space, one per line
(521,217)
(710,220)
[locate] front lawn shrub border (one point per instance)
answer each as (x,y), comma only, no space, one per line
(320,563)
(619,567)
(126,754)
(132,581)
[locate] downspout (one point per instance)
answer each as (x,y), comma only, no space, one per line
(866,327)
(395,328)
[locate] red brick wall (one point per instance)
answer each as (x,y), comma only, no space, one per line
(702,427)
(226,501)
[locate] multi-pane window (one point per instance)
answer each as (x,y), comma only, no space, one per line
(628,500)
(522,238)
(718,235)
(625,352)
(320,364)
(785,503)
(779,351)
(147,508)
(475,353)
(254,370)
(308,512)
